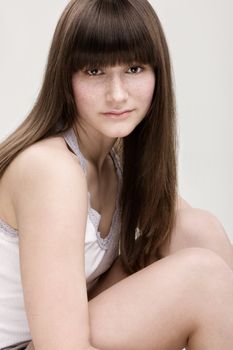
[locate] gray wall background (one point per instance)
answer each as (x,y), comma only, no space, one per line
(200,36)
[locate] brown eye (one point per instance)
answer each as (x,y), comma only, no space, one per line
(135,69)
(93,72)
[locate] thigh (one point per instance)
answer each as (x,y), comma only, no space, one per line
(158,307)
(154,308)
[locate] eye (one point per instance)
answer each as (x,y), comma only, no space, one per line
(93,71)
(135,69)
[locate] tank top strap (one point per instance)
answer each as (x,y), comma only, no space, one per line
(71,140)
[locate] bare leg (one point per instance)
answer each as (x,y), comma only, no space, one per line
(199,228)
(183,300)
(116,273)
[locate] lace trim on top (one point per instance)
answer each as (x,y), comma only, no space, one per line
(94,216)
(7,228)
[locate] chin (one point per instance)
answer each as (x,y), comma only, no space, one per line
(119,134)
(120,131)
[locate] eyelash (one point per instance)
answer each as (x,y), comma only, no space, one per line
(89,70)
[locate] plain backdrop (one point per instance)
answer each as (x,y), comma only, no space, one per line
(200,37)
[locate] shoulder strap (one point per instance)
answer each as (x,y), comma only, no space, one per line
(72,142)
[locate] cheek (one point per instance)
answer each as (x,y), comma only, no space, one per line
(85,93)
(82,100)
(150,87)
(144,90)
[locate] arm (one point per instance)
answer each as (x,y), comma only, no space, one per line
(51,207)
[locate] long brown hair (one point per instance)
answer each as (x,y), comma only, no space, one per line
(100,33)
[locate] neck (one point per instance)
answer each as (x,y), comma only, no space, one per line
(94,147)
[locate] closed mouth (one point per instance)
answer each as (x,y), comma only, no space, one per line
(117,113)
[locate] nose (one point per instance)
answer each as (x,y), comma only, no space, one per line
(116,92)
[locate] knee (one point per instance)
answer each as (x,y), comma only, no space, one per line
(206,277)
(200,257)
(196,261)
(194,276)
(202,264)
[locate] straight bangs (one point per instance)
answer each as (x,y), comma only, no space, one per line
(111,33)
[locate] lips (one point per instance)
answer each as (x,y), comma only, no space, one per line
(117,112)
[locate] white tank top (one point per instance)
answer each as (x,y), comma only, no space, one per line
(99,255)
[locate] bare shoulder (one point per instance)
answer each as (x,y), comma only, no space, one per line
(42,160)
(51,146)
(50,188)
(51,204)
(43,164)
(54,147)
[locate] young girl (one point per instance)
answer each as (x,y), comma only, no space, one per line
(92,230)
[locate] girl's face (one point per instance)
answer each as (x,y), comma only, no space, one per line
(113,100)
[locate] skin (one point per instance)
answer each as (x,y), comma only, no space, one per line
(193,228)
(117,88)
(180,239)
(195,269)
(120,304)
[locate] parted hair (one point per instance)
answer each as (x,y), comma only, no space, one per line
(97,34)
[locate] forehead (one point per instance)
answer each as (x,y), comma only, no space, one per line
(117,36)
